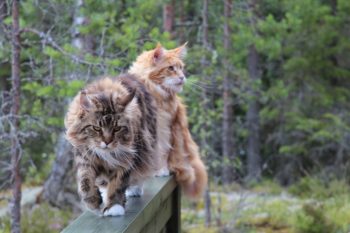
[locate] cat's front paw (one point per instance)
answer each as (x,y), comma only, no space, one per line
(115,210)
(94,204)
(163,172)
(134,191)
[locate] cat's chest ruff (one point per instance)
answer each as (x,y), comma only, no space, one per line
(166,112)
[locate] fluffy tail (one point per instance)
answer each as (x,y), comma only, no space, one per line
(184,159)
(194,183)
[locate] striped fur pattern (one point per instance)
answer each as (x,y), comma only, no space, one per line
(162,71)
(112,125)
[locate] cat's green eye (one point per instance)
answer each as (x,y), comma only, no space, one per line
(171,68)
(96,128)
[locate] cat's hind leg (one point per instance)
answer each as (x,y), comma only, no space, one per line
(164,171)
(134,190)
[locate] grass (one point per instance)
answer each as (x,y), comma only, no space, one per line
(310,206)
(40,218)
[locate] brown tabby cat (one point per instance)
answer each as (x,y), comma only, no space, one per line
(112,125)
(162,72)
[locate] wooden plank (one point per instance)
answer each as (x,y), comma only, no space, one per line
(174,223)
(159,220)
(139,211)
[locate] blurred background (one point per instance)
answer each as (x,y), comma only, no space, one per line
(267,94)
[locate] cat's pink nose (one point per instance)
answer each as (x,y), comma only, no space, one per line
(108,141)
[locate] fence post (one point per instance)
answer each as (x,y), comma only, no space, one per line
(174,223)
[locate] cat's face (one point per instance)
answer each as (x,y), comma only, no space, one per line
(168,68)
(104,124)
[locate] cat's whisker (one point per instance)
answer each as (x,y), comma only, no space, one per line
(203,84)
(199,89)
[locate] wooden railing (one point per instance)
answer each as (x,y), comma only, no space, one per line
(158,210)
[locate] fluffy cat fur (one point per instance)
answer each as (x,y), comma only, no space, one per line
(112,125)
(162,72)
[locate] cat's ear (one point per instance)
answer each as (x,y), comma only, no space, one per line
(181,51)
(125,101)
(85,102)
(158,53)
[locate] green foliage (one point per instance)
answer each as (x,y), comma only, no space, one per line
(302,91)
(38,171)
(312,219)
(266,186)
(320,189)
(43,218)
(280,212)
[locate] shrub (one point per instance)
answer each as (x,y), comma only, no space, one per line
(312,219)
(40,218)
(309,187)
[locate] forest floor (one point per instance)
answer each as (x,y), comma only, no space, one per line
(265,208)
(29,196)
(306,207)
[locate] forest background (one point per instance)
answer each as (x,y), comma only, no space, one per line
(267,95)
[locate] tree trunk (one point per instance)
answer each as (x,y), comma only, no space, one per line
(15,204)
(181,31)
(85,43)
(59,188)
(3,10)
(205,42)
(5,85)
(228,174)
(207,202)
(78,20)
(253,119)
(169,17)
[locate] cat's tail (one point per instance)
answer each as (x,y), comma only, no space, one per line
(189,169)
(194,183)
(184,159)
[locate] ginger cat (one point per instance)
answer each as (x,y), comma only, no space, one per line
(162,72)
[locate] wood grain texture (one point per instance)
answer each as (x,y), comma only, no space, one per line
(149,213)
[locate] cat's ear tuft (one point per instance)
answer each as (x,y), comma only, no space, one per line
(124,102)
(85,102)
(181,51)
(158,53)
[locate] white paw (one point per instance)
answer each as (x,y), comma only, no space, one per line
(134,191)
(116,210)
(163,172)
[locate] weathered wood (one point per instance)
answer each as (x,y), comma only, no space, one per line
(159,221)
(174,223)
(150,213)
